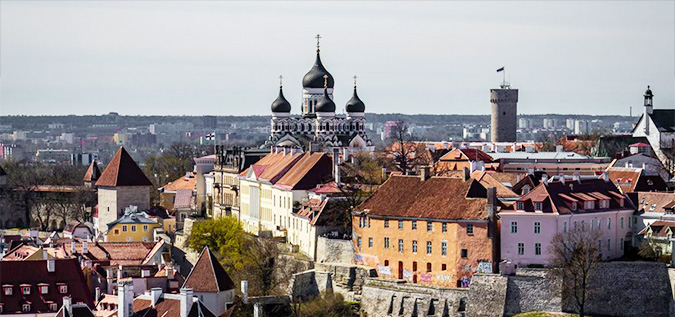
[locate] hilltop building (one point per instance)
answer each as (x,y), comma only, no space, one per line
(318,127)
(658,126)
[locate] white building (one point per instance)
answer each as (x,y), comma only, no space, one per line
(658,126)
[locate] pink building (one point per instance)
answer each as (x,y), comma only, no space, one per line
(558,205)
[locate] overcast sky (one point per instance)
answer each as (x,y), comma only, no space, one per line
(224,58)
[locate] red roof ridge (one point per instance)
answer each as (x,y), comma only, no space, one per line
(123,171)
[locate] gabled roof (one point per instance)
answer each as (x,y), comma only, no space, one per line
(273,166)
(113,253)
(188,182)
(67,271)
(487,180)
(629,180)
(466,154)
(653,201)
(309,171)
(208,275)
(168,305)
(123,171)
(93,173)
(448,198)
(135,217)
(659,228)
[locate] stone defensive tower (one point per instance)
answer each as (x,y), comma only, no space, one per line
(504,114)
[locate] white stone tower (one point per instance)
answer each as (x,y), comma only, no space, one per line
(504,113)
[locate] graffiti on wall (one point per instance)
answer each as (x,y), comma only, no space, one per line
(383,270)
(484,267)
(425,277)
(407,274)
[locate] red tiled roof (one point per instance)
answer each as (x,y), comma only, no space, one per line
(168,307)
(487,180)
(660,201)
(114,253)
(93,173)
(630,180)
(123,171)
(67,271)
(273,166)
(307,172)
(208,275)
(435,198)
(640,144)
(183,199)
(183,183)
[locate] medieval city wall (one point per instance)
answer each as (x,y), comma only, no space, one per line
(334,251)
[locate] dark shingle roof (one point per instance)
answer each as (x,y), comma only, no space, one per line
(208,275)
(123,171)
(314,78)
(664,119)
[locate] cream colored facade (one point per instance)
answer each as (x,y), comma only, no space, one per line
(113,200)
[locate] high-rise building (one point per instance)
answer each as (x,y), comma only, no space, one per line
(504,113)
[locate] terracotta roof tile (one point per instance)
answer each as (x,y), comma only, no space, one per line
(273,166)
(208,275)
(114,253)
(123,171)
(653,201)
(309,171)
(93,173)
(183,182)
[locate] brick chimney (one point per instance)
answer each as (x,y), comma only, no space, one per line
(425,173)
(155,293)
(68,305)
(125,299)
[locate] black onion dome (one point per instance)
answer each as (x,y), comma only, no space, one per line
(314,78)
(355,104)
(325,104)
(281,104)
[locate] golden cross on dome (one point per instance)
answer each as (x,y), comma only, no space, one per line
(325,81)
(318,37)
(281,81)
(355,80)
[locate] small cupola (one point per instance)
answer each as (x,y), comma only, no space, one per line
(281,105)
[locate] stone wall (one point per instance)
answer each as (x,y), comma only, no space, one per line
(334,251)
(533,289)
(387,297)
(487,295)
(347,280)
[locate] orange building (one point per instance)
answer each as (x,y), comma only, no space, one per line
(438,230)
(458,159)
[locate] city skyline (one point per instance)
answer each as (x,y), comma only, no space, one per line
(225,58)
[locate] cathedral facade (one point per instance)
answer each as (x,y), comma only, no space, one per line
(318,127)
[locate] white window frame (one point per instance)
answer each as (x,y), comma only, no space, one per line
(444,247)
(25,290)
(44,289)
(63,289)
(521,248)
(537,248)
(537,227)
(414,246)
(8,291)
(429,248)
(400,245)
(538,206)
(514,226)
(521,205)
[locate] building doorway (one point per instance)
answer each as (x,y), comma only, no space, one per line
(400,270)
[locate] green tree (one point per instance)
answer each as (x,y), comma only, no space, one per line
(225,236)
(326,305)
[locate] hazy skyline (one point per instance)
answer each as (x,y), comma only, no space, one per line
(224,58)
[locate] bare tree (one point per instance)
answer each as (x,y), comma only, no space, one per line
(576,253)
(403,148)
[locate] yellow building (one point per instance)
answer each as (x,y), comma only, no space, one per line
(134,226)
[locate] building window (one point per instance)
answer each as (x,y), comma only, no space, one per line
(583,225)
(565,226)
(537,206)
(521,205)
(465,253)
(53,306)
(514,227)
(370,242)
(428,267)
(25,308)
(521,248)
(414,246)
(358,242)
(600,245)
(609,223)
(124,228)
(133,228)
(444,227)
(25,290)
(386,223)
(44,289)
(609,244)
(537,227)
(592,225)
(428,247)
(400,245)
(430,226)
(414,224)
(621,222)
(368,222)
(8,291)
(444,267)
(444,248)
(574,206)
(400,224)
(63,289)
(537,249)
(386,242)
(145,227)
(599,223)
(469,229)
(386,262)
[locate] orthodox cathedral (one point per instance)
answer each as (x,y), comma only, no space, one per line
(318,127)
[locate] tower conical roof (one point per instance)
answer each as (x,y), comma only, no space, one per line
(314,78)
(93,173)
(123,171)
(355,104)
(281,104)
(208,275)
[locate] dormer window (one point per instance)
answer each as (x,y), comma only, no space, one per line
(25,289)
(589,204)
(7,290)
(44,288)
(604,204)
(621,202)
(574,206)
(521,205)
(63,289)
(25,308)
(538,206)
(653,207)
(53,307)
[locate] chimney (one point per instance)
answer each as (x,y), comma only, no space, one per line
(491,202)
(562,178)
(466,175)
(244,292)
(577,177)
(51,265)
(155,293)
(544,179)
(425,173)
(97,293)
(85,250)
(45,255)
(185,301)
(626,165)
(109,280)
(125,299)
(73,250)
(605,176)
(68,305)
(169,272)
